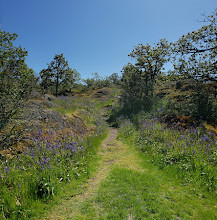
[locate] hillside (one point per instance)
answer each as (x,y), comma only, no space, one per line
(73,175)
(132,143)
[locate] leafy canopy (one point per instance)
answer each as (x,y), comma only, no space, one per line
(195,53)
(59,74)
(139,79)
(16,79)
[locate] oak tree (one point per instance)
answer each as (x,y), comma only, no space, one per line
(195,54)
(139,79)
(16,79)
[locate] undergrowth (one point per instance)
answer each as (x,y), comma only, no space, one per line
(190,154)
(54,159)
(37,176)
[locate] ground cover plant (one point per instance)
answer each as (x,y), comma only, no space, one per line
(134,188)
(91,101)
(189,154)
(53,159)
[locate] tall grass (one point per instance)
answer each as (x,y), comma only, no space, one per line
(190,155)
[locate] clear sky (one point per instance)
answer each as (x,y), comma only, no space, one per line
(97,35)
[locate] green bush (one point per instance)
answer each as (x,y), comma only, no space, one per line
(16,82)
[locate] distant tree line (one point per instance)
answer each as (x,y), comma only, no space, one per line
(97,82)
(59,78)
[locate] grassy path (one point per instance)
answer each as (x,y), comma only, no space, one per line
(126,186)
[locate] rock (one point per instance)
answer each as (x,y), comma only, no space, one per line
(35,95)
(36,113)
(102,93)
(48,104)
(48,97)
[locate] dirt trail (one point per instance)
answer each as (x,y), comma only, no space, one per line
(112,153)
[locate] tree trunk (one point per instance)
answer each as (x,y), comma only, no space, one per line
(57,84)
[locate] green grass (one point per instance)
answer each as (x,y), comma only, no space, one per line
(141,184)
(28,189)
(145,192)
(152,194)
(128,193)
(55,164)
(189,155)
(135,188)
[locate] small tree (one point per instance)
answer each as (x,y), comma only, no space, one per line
(58,73)
(96,81)
(139,79)
(58,67)
(16,79)
(114,79)
(132,96)
(195,57)
(46,79)
(69,79)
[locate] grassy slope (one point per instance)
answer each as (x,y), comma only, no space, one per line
(125,186)
(15,200)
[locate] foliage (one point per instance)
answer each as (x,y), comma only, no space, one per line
(42,171)
(139,79)
(69,81)
(92,82)
(16,80)
(97,82)
(204,106)
(195,53)
(194,57)
(114,79)
(46,79)
(59,74)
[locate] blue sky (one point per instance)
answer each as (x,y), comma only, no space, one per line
(97,35)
